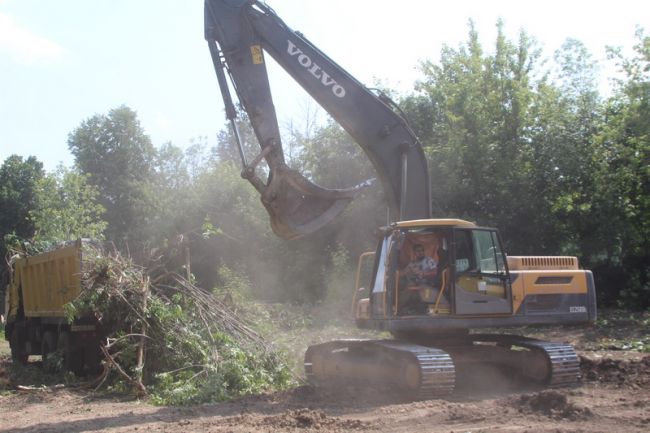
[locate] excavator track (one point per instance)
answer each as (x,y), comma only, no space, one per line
(564,363)
(421,372)
(426,372)
(549,363)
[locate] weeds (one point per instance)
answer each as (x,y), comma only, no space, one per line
(623,330)
(35,376)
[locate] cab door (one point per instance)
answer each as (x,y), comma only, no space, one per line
(378,295)
(481,281)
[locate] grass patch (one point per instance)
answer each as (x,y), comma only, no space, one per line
(623,330)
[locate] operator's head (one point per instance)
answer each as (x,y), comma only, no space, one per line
(418,249)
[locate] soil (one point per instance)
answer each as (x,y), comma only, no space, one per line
(614,396)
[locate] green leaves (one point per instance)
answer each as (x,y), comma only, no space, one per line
(67,208)
(480,139)
(208,229)
(118,157)
(18,184)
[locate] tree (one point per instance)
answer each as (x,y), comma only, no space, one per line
(623,197)
(18,184)
(118,157)
(66,208)
(567,115)
(473,112)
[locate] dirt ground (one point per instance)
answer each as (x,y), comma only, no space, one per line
(614,397)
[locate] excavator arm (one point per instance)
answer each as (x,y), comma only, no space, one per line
(239,32)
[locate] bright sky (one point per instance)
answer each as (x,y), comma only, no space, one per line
(62,61)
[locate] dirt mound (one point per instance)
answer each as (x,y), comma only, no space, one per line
(632,373)
(552,404)
(311,419)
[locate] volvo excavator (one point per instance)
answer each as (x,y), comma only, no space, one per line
(474,286)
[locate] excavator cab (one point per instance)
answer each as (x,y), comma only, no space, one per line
(468,275)
(475,285)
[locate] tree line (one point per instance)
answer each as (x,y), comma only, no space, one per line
(513,141)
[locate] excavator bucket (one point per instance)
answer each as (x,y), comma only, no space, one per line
(297,206)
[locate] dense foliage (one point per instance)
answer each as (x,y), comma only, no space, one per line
(18,184)
(117,156)
(514,140)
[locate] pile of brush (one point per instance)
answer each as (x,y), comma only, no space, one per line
(171,340)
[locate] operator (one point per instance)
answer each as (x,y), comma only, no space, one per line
(420,274)
(422,269)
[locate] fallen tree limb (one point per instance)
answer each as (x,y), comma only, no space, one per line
(139,388)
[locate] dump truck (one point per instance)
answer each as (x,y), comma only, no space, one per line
(40,287)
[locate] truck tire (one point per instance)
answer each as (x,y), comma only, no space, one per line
(72,355)
(93,358)
(48,346)
(19,353)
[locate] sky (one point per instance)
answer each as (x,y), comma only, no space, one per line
(63,61)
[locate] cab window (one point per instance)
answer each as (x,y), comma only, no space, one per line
(488,252)
(479,251)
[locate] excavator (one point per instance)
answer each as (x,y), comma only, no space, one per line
(474,284)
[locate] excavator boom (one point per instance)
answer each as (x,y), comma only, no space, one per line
(239,33)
